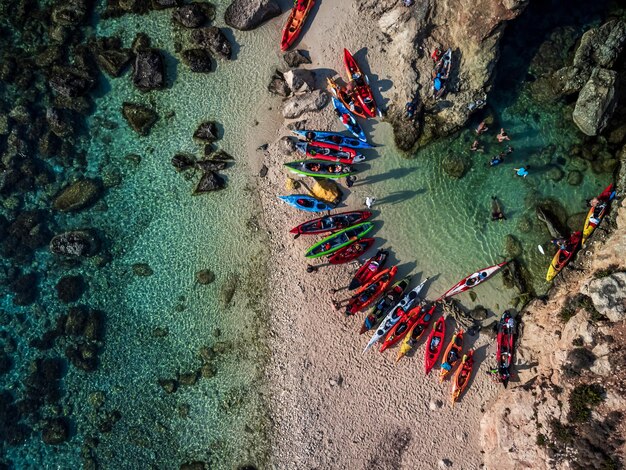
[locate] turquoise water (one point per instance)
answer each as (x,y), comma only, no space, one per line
(166,324)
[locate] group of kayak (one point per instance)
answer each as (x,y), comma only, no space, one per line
(568,247)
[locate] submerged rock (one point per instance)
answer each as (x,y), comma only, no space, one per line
(70,82)
(228,288)
(295,58)
(149,70)
(309,102)
(83,356)
(114,61)
(454,165)
(206,132)
(596,102)
(77,196)
(210,181)
(198,60)
(574,177)
(211,165)
(245,15)
(169,385)
(140,118)
(213,38)
(512,246)
(75,243)
(142,270)
(70,288)
(183,161)
(55,431)
(205,276)
(194,14)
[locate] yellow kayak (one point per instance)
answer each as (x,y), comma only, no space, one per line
(596,214)
(415,333)
(563,256)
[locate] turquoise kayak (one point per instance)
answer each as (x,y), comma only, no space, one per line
(348,120)
(306,203)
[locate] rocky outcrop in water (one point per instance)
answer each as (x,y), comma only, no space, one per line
(75,243)
(149,70)
(248,14)
(198,60)
(209,181)
(206,132)
(596,102)
(139,117)
(296,58)
(213,39)
(194,14)
(79,195)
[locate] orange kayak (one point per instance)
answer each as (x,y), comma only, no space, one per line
(415,333)
(295,22)
(406,322)
(348,101)
(451,356)
(462,376)
(434,345)
(362,93)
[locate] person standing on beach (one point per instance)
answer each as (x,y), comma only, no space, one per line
(369,201)
(502,136)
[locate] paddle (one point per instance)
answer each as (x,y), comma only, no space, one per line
(540,248)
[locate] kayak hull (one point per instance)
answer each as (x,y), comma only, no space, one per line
(451,356)
(330,152)
(462,376)
(477,278)
(415,333)
(339,239)
(346,100)
(369,269)
(351,124)
(391,297)
(327,169)
(306,203)
(591,222)
(370,292)
(295,22)
(400,329)
(504,347)
(331,223)
(333,138)
(363,91)
(434,345)
(351,252)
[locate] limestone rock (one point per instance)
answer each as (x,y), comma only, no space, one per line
(149,70)
(210,181)
(75,243)
(295,58)
(609,295)
(194,14)
(198,60)
(245,15)
(310,102)
(206,132)
(214,39)
(79,195)
(113,61)
(596,102)
(300,80)
(569,80)
(139,117)
(56,431)
(601,46)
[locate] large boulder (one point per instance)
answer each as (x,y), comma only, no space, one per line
(596,102)
(149,70)
(206,132)
(139,117)
(78,195)
(198,60)
(210,181)
(70,82)
(214,39)
(75,243)
(300,80)
(194,14)
(248,14)
(601,46)
(609,295)
(569,80)
(310,102)
(114,61)
(295,58)
(55,431)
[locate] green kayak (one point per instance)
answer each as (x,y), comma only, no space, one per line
(338,240)
(320,168)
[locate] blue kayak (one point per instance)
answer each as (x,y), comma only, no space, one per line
(333,138)
(306,203)
(352,125)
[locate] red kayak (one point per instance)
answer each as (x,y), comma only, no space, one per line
(473,280)
(564,256)
(369,293)
(331,223)
(295,22)
(434,345)
(415,333)
(369,269)
(362,92)
(400,329)
(351,252)
(331,152)
(504,349)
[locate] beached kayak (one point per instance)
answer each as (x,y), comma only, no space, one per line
(452,355)
(369,269)
(341,93)
(330,152)
(295,22)
(370,292)
(338,240)
(320,168)
(462,377)
(351,252)
(382,307)
(400,329)
(473,280)
(441,74)
(348,120)
(597,213)
(434,345)
(331,223)
(395,314)
(306,203)
(415,333)
(362,90)
(564,256)
(504,349)
(333,138)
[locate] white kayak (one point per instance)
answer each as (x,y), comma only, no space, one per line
(394,314)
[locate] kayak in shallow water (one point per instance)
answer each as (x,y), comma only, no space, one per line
(462,377)
(369,269)
(597,213)
(370,292)
(306,203)
(295,22)
(452,355)
(331,223)
(473,280)
(382,307)
(434,344)
(338,240)
(351,252)
(333,138)
(320,168)
(330,152)
(348,120)
(564,255)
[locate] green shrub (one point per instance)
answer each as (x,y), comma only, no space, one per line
(561,432)
(582,399)
(541,440)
